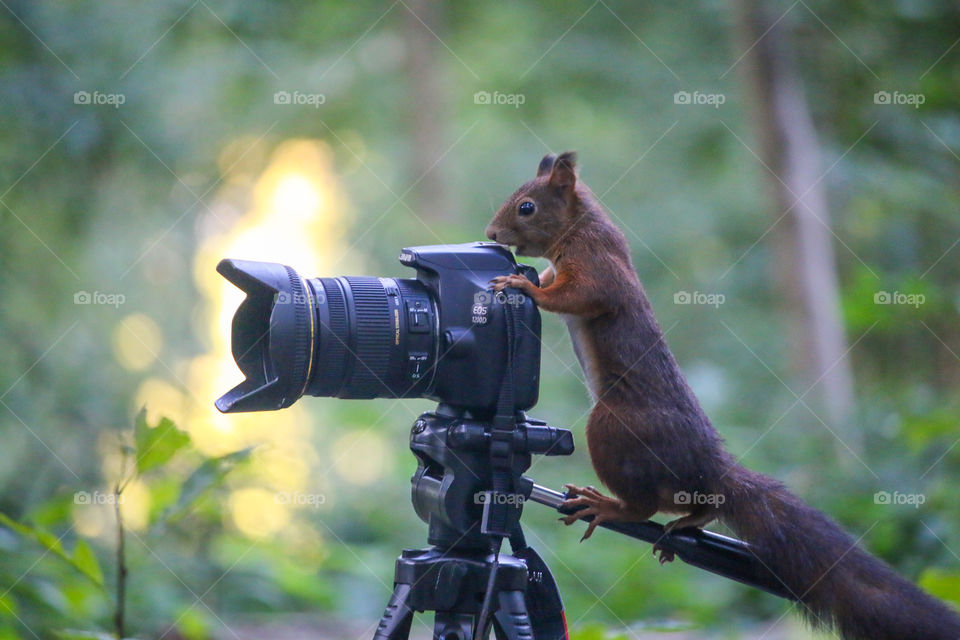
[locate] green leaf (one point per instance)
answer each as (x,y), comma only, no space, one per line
(45,539)
(53,546)
(85,560)
(156,445)
(53,511)
(164,491)
(208,475)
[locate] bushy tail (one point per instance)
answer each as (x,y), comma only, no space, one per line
(839,585)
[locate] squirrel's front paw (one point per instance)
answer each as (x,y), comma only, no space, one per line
(513,280)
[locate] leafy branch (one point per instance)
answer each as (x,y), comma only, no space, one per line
(154,446)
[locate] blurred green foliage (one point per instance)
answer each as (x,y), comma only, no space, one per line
(49,596)
(97,198)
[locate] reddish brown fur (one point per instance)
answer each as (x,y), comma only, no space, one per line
(649,439)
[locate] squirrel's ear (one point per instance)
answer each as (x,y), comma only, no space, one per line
(546,165)
(563,173)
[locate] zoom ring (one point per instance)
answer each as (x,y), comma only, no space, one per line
(374,337)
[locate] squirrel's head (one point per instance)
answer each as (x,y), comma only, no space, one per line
(537,215)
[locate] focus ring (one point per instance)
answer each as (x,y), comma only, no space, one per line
(332,369)
(374,338)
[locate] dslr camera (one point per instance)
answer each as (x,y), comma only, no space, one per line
(442,335)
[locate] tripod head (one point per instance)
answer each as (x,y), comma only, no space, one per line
(469,488)
(452,488)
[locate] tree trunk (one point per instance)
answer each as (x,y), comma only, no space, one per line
(422,26)
(804,249)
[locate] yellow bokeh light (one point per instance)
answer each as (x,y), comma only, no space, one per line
(257,512)
(286,467)
(361,457)
(94,512)
(162,400)
(92,520)
(308,545)
(137,341)
(114,463)
(296,216)
(135,505)
(296,197)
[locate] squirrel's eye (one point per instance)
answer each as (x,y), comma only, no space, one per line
(526,208)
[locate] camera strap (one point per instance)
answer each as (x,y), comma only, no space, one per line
(500,512)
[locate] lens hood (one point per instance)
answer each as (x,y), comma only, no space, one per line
(272,336)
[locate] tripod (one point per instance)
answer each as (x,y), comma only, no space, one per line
(452,492)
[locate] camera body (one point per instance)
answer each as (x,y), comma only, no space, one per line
(442,335)
(472,324)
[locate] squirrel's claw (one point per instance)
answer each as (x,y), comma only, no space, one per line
(598,517)
(602,508)
(587,491)
(512,280)
(593,524)
(499,283)
(665,554)
(577,515)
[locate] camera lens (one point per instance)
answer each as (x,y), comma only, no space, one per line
(348,337)
(376,337)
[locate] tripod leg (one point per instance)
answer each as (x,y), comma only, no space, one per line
(395,623)
(511,621)
(544,604)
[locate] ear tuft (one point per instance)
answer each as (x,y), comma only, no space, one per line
(546,164)
(563,173)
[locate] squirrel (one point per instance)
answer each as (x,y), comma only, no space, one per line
(652,445)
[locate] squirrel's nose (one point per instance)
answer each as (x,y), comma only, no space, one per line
(491,234)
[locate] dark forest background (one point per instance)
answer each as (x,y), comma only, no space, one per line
(787,174)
